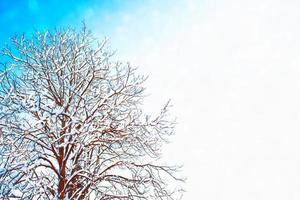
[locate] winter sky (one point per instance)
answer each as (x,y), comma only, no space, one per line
(231,69)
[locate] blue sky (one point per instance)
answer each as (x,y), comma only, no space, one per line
(23,16)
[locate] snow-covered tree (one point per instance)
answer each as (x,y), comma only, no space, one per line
(71,123)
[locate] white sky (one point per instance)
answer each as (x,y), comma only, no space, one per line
(232,71)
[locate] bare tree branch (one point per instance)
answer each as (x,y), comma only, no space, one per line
(72,126)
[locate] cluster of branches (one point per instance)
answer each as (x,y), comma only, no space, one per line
(71,123)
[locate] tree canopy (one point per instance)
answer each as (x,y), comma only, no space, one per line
(72,125)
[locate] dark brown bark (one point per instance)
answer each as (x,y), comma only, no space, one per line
(62,183)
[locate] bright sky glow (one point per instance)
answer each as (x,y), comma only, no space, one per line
(231,69)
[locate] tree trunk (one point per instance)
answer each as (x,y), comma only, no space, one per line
(62,183)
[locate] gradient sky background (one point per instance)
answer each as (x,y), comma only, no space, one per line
(231,68)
